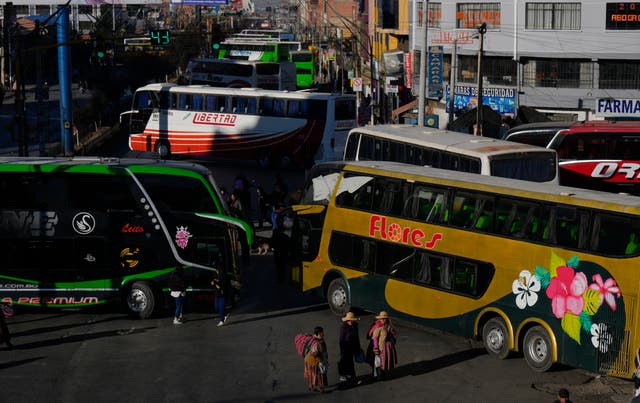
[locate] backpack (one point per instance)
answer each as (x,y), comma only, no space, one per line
(303,343)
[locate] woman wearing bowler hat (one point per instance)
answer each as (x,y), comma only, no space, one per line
(381,353)
(349,347)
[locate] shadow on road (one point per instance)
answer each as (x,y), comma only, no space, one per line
(79,338)
(17,363)
(47,329)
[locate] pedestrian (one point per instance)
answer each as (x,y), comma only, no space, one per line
(563,396)
(238,209)
(178,288)
(280,190)
(263,206)
(349,348)
(316,362)
(381,353)
(220,290)
(5,336)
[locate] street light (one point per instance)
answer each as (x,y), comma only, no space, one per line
(482,29)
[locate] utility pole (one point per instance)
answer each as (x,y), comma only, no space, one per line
(423,62)
(482,29)
(453,74)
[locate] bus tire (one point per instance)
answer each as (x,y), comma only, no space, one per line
(140,300)
(264,159)
(537,349)
(163,149)
(338,297)
(495,338)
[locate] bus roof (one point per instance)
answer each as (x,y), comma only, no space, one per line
(498,185)
(112,162)
(200,89)
(609,126)
(447,140)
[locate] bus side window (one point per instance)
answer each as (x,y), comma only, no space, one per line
(252,106)
(464,279)
(210,103)
(183,101)
(266,106)
(614,235)
(196,100)
(463,210)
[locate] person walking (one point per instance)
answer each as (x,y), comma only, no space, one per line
(220,290)
(381,353)
(349,347)
(316,361)
(178,288)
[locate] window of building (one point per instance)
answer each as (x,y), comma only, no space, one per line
(471,15)
(558,73)
(83,9)
(22,10)
(389,17)
(43,9)
(435,14)
(619,74)
(553,16)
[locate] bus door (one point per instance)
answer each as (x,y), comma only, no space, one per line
(206,242)
(306,235)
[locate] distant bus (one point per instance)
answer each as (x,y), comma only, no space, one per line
(305,67)
(267,33)
(268,126)
(78,232)
(539,269)
(141,45)
(598,154)
(452,150)
(242,73)
(257,50)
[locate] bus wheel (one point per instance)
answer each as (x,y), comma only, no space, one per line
(140,300)
(495,337)
(537,349)
(163,149)
(264,159)
(338,298)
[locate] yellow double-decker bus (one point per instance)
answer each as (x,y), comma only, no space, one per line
(536,268)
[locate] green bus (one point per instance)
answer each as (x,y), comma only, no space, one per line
(258,50)
(78,232)
(305,67)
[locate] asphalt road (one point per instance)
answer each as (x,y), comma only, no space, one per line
(102,355)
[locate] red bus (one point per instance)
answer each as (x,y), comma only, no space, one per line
(597,154)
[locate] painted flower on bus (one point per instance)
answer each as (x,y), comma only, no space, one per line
(526,288)
(573,300)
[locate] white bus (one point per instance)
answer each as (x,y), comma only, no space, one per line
(452,150)
(243,123)
(242,73)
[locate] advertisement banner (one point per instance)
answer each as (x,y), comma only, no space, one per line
(500,99)
(617,107)
(436,64)
(408,70)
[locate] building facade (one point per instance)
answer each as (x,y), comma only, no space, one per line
(562,55)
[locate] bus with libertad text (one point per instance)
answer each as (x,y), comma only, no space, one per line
(270,127)
(455,151)
(533,268)
(242,73)
(80,232)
